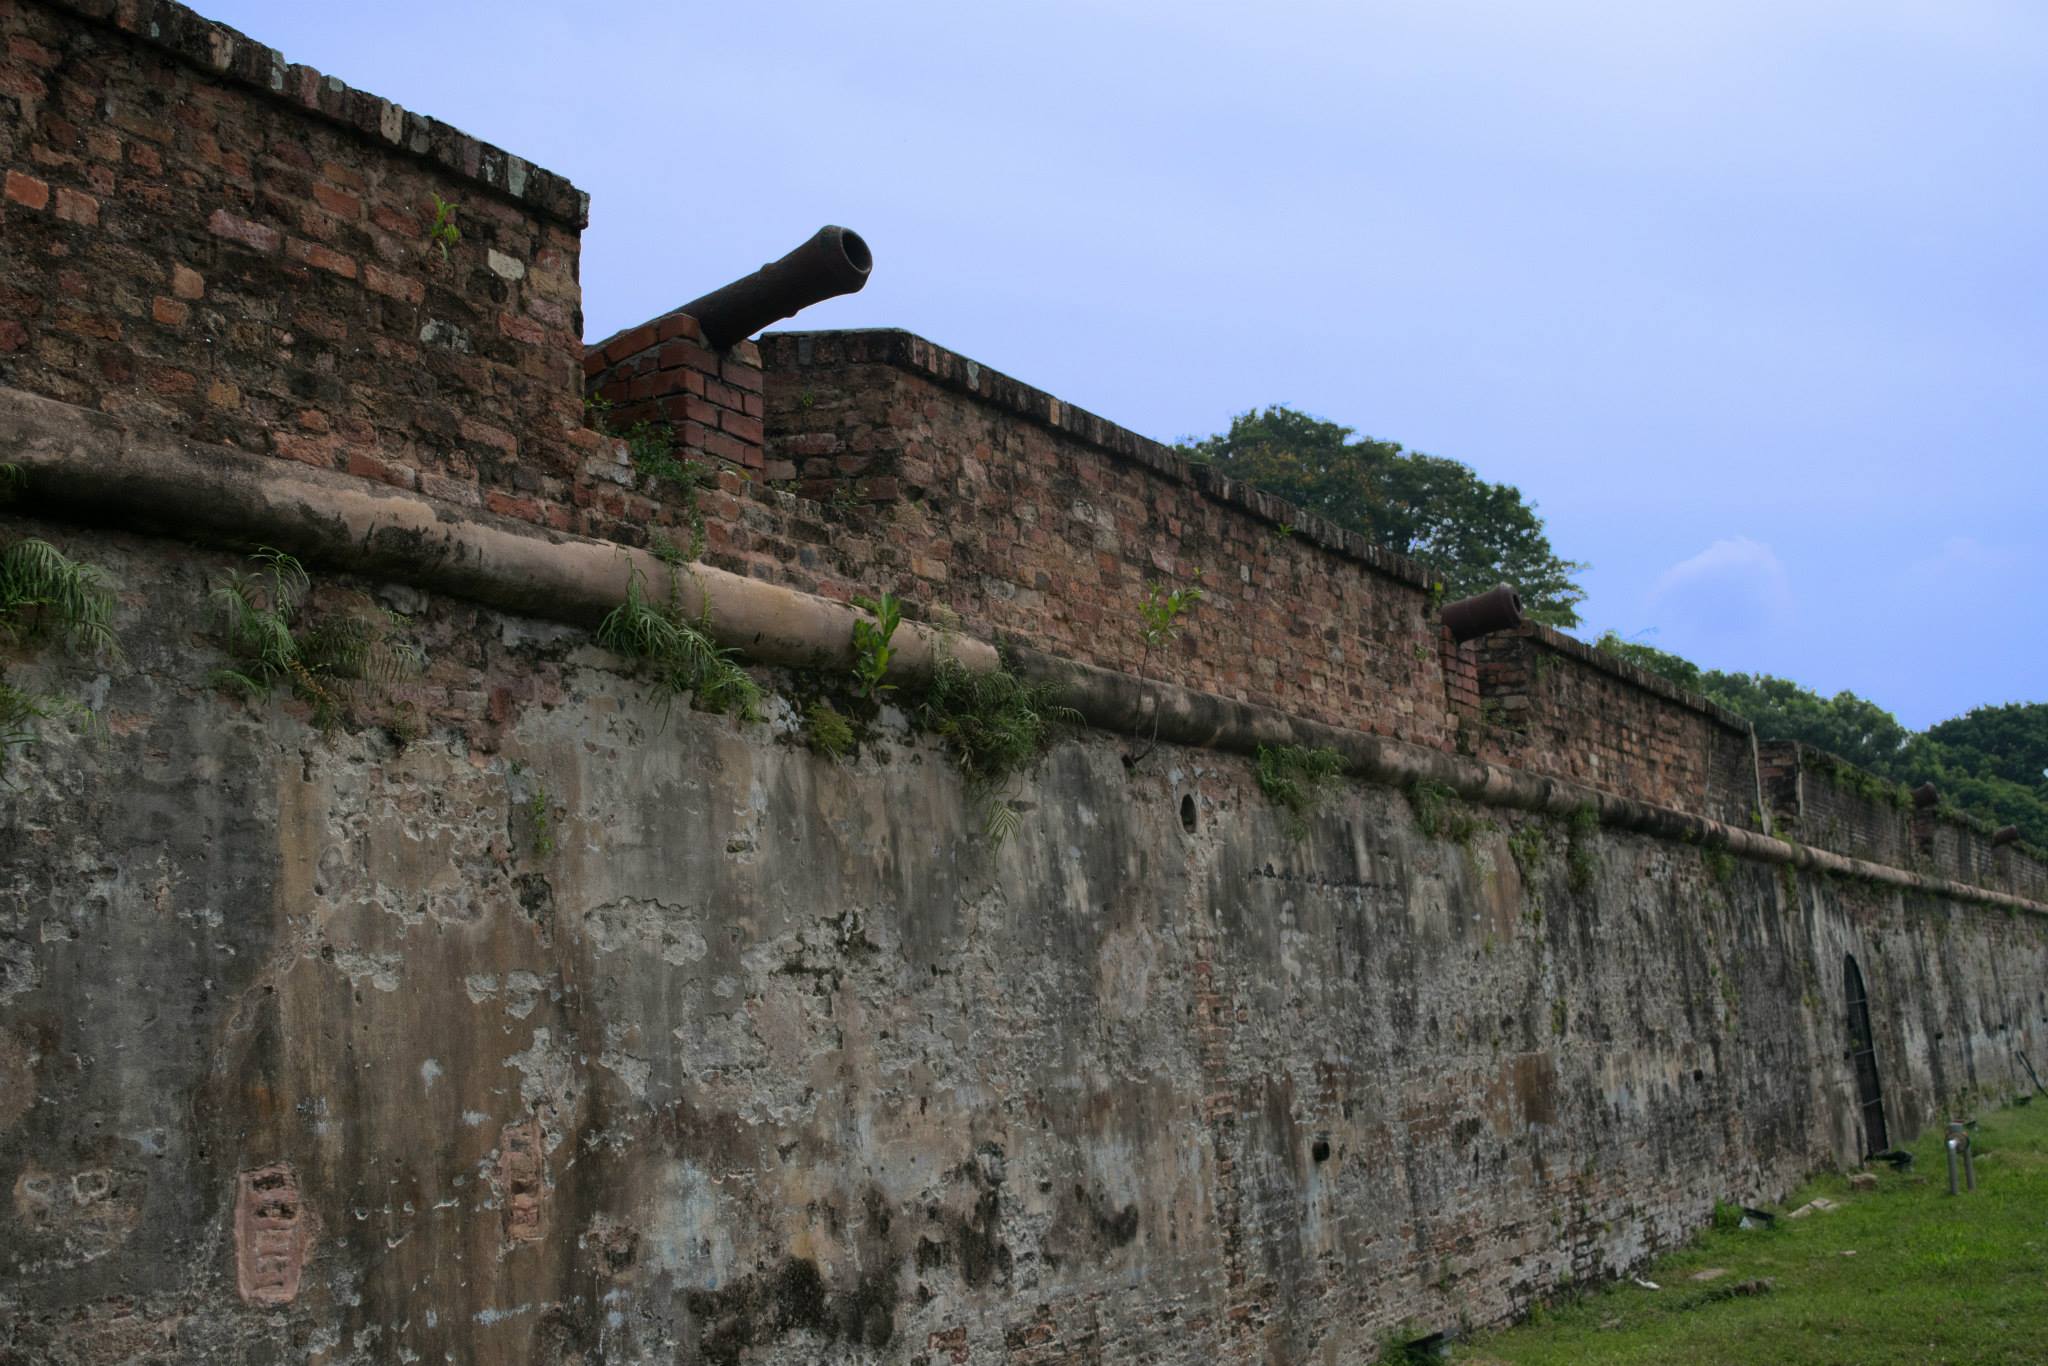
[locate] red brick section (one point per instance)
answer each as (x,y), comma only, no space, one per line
(200,237)
(1557,706)
(662,372)
(985,501)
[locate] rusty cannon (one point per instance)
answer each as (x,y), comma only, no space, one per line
(1497,609)
(834,261)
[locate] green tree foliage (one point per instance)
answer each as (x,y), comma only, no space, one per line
(2009,742)
(1471,533)
(1992,762)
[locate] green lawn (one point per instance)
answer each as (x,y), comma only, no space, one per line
(1933,1279)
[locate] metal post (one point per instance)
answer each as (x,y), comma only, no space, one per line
(1959,1142)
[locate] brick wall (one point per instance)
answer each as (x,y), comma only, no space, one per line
(1034,521)
(204,239)
(661,372)
(1553,705)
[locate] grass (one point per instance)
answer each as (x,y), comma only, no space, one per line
(995,725)
(1298,781)
(1933,1279)
(680,651)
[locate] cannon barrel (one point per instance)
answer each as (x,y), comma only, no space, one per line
(1497,609)
(834,261)
(2004,835)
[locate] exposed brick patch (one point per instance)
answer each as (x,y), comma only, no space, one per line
(255,236)
(322,258)
(273,1233)
(74,207)
(27,191)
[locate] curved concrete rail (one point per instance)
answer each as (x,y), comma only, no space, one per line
(88,467)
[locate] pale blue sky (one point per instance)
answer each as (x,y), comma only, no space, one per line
(1747,297)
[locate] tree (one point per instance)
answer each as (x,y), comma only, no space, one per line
(2008,742)
(1471,533)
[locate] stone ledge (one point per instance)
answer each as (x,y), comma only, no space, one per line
(233,57)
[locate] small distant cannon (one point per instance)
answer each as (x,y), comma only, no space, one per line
(1926,796)
(1497,609)
(834,261)
(2004,835)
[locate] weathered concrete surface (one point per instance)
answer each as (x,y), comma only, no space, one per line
(324,1048)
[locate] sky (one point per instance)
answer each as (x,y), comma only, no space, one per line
(1749,298)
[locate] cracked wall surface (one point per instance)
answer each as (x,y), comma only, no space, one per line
(574,1029)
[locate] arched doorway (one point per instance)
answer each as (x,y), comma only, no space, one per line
(1863,1057)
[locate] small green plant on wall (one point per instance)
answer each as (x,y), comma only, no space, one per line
(540,819)
(1582,860)
(871,645)
(996,726)
(651,446)
(826,731)
(1159,613)
(1438,813)
(442,232)
(347,657)
(681,652)
(44,596)
(1298,780)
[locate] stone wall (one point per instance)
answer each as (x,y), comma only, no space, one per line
(571,1028)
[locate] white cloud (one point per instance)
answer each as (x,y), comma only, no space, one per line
(1735,586)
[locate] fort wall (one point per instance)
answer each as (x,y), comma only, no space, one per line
(526,1015)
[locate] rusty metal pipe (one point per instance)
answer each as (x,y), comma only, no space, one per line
(834,261)
(1497,609)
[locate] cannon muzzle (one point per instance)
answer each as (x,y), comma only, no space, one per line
(1497,609)
(835,261)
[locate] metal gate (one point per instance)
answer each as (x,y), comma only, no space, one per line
(1863,1055)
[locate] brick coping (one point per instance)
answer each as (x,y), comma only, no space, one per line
(909,352)
(225,54)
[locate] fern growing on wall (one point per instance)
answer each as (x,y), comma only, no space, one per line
(328,663)
(995,725)
(46,595)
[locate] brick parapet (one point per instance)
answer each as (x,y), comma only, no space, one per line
(995,504)
(1821,799)
(789,355)
(221,53)
(709,402)
(200,238)
(1554,705)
